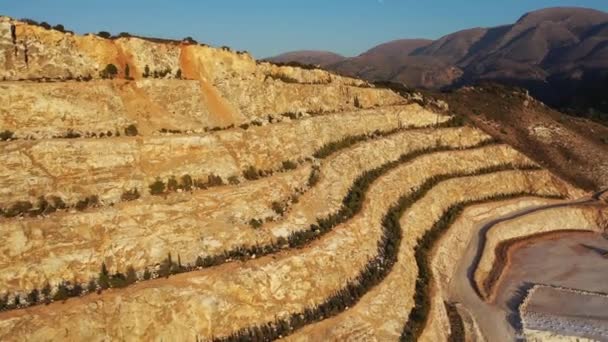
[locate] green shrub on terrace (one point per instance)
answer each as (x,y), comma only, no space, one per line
(71,134)
(146,73)
(19,208)
(314,177)
(33,297)
(6,135)
(4,302)
(289,165)
(130,195)
(233,180)
(255,223)
(110,71)
(172,184)
(131,130)
(57,202)
(147,274)
(92,286)
(104,277)
(278,208)
(157,188)
(131,276)
(213,180)
(178,74)
(127,71)
(88,202)
(186,183)
(62,292)
(166,267)
(104,34)
(251,173)
(46,292)
(118,280)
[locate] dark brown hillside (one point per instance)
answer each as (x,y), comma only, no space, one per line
(574,148)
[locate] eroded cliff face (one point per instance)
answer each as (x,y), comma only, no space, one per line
(189,87)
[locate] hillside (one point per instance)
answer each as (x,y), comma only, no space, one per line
(171,191)
(321,58)
(559,54)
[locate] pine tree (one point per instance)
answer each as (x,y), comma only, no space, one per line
(104,277)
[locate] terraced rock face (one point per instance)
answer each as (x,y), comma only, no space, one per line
(243,201)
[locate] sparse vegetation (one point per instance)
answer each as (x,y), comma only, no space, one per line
(6,135)
(158,187)
(131,130)
(109,72)
(130,195)
(251,173)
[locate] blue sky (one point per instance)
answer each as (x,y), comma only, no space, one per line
(269,27)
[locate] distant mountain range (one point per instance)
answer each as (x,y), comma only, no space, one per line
(560,54)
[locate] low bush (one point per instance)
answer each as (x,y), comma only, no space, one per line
(130,195)
(289,165)
(278,207)
(213,180)
(157,188)
(251,173)
(88,202)
(131,130)
(109,72)
(104,34)
(186,183)
(172,184)
(19,208)
(6,135)
(255,223)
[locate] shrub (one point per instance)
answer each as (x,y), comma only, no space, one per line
(59,28)
(62,292)
(118,280)
(165,267)
(251,173)
(18,208)
(233,180)
(158,187)
(131,130)
(313,178)
(104,34)
(147,274)
(172,184)
(244,126)
(46,292)
(289,165)
(58,203)
(278,208)
(33,297)
(186,182)
(255,223)
(71,134)
(130,195)
(6,135)
(146,73)
(92,286)
(178,74)
(213,180)
(90,201)
(127,71)
(124,35)
(45,25)
(110,71)
(104,277)
(189,40)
